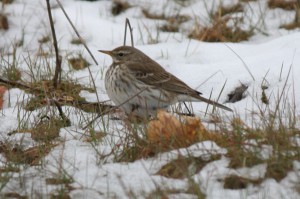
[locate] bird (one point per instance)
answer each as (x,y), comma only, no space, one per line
(140,86)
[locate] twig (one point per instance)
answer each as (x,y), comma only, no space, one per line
(189,111)
(127,22)
(75,30)
(84,44)
(17,84)
(58,58)
(61,113)
(245,65)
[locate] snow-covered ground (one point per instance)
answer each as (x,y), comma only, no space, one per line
(204,66)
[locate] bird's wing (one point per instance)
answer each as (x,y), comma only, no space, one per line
(156,76)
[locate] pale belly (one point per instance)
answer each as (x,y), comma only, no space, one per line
(133,96)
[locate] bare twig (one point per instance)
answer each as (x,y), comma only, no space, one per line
(57,56)
(61,113)
(84,44)
(19,85)
(77,33)
(189,111)
(127,22)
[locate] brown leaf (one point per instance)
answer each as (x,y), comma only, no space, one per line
(3,89)
(168,131)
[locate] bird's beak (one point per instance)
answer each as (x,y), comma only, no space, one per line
(106,52)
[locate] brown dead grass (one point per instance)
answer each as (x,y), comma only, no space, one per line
(77,41)
(3,22)
(65,93)
(14,195)
(3,89)
(222,11)
(171,19)
(78,63)
(220,32)
(47,129)
(119,6)
(179,168)
(44,39)
(238,182)
(61,195)
(283,4)
(31,156)
(291,26)
(57,181)
(12,73)
(172,22)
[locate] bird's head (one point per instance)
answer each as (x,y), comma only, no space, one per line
(125,53)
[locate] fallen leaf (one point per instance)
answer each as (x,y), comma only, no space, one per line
(168,131)
(3,89)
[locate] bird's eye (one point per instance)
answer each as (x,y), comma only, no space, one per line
(120,54)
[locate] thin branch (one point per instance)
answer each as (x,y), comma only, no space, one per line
(19,85)
(61,113)
(77,33)
(84,44)
(58,58)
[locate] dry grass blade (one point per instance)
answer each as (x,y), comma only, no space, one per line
(245,65)
(281,95)
(214,107)
(209,99)
(208,78)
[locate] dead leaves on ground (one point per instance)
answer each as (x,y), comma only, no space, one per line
(183,167)
(168,131)
(165,133)
(31,156)
(3,89)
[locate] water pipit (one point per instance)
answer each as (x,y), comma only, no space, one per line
(140,86)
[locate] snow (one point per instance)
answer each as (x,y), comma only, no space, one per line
(190,60)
